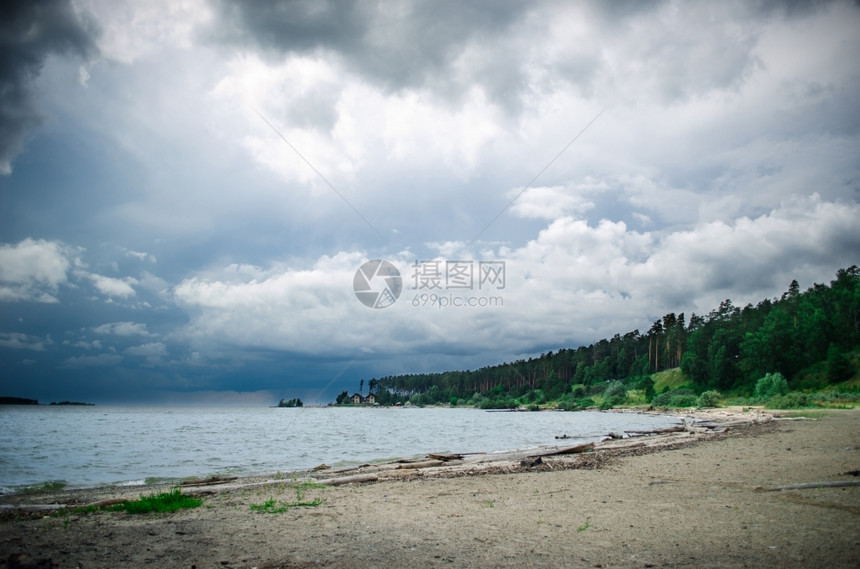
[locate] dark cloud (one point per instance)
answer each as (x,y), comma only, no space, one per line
(397,45)
(30,31)
(790,8)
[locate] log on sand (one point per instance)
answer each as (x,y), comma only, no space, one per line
(208,481)
(675,429)
(575,449)
(55,507)
(813,485)
(446,457)
(348,479)
(32,507)
(421,464)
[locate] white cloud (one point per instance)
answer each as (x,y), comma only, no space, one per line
(342,125)
(123,329)
(575,282)
(32,270)
(141,255)
(134,29)
(17,341)
(152,283)
(113,287)
(152,352)
(152,349)
(288,308)
(101,360)
(804,238)
(548,203)
(94,345)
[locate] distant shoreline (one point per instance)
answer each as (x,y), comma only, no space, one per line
(25,401)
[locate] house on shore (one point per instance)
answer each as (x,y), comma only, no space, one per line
(359,399)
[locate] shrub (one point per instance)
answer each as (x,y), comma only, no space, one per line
(615,394)
(577,404)
(661,400)
(683,401)
(709,399)
(793,400)
(676,398)
(770,385)
(840,397)
(500,403)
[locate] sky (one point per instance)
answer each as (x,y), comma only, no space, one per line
(190,191)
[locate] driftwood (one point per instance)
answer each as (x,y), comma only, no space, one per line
(349,479)
(726,424)
(562,450)
(663,431)
(53,507)
(208,481)
(422,464)
(812,485)
(530,454)
(107,502)
(445,457)
(32,507)
(398,474)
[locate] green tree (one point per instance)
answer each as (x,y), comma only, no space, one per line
(709,399)
(615,394)
(839,368)
(771,385)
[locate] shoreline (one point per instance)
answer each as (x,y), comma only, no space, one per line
(315,448)
(468,464)
(683,499)
(127,488)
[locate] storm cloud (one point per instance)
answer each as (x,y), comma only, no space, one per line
(29,33)
(186,223)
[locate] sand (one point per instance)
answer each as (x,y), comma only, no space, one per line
(693,500)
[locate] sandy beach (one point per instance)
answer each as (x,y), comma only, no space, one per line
(697,498)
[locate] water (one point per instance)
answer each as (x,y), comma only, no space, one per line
(89,446)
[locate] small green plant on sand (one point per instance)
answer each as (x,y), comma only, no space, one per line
(271,506)
(584,526)
(162,503)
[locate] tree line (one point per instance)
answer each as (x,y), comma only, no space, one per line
(728,349)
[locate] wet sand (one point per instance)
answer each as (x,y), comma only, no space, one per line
(689,499)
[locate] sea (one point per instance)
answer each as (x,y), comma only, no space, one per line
(85,446)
